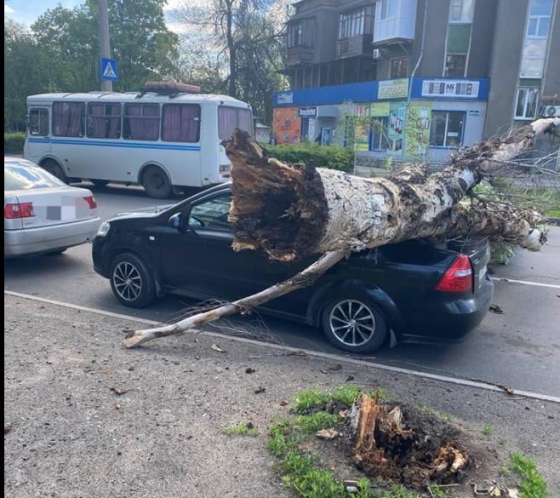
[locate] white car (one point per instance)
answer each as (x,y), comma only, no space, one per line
(43,215)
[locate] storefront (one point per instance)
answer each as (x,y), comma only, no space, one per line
(382,119)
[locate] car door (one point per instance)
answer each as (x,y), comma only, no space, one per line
(197,255)
(269,272)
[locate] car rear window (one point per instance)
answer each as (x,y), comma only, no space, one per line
(23,177)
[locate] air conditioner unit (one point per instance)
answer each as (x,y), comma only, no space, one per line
(550,111)
(377,53)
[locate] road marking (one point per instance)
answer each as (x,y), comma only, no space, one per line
(525,282)
(317,354)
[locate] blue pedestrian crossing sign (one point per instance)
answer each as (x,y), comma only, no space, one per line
(109,70)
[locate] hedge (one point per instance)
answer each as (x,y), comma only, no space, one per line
(332,156)
(13,143)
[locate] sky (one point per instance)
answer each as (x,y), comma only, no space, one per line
(27,11)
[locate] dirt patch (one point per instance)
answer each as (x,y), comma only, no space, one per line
(421,458)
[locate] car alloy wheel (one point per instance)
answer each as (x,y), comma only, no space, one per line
(128,281)
(132,281)
(354,324)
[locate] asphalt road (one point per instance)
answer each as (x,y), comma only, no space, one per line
(519,348)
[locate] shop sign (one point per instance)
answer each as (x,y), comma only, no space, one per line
(307,112)
(450,88)
(285,98)
(393,89)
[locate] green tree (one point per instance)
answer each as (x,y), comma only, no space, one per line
(61,52)
(244,41)
(143,46)
(24,67)
(140,42)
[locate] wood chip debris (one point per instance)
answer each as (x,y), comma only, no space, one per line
(328,434)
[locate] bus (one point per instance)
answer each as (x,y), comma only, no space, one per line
(166,141)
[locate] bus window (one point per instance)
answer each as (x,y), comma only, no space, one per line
(39,122)
(181,123)
(141,121)
(104,121)
(230,118)
(68,119)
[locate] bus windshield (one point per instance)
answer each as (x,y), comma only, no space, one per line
(230,118)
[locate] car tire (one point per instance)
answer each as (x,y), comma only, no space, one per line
(55,169)
(100,183)
(353,323)
(156,183)
(58,252)
(132,281)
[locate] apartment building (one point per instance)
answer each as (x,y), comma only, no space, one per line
(417,78)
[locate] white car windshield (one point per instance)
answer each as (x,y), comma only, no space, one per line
(19,176)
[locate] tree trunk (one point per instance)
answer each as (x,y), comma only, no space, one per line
(302,279)
(293,212)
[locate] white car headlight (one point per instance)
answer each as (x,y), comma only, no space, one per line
(103,229)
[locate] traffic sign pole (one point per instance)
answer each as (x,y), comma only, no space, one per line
(106,84)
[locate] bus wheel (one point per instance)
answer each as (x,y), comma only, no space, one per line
(54,169)
(156,183)
(100,183)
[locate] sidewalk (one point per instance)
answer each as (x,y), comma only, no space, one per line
(72,435)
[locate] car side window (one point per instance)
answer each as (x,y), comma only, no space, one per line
(212,214)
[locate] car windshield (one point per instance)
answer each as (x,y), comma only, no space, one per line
(19,176)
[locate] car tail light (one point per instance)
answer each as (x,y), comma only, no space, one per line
(458,277)
(92,203)
(19,210)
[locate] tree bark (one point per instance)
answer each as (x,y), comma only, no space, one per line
(302,279)
(291,212)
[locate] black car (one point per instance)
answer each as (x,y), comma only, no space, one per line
(414,290)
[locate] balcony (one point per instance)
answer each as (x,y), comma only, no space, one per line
(354,47)
(301,54)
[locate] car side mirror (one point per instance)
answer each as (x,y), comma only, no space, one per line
(176,222)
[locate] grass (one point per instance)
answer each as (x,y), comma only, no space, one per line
(301,470)
(241,429)
(487,430)
(532,483)
(309,400)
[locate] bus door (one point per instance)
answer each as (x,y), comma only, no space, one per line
(37,142)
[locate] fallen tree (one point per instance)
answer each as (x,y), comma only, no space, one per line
(291,212)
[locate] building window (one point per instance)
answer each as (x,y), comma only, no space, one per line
(379,134)
(301,33)
(141,121)
(539,18)
(398,68)
(536,39)
(455,65)
(39,122)
(355,23)
(104,121)
(388,9)
(447,128)
(68,119)
(526,106)
(461,11)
